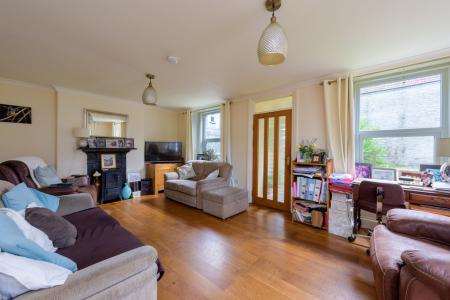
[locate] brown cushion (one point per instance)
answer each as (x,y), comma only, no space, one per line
(61,232)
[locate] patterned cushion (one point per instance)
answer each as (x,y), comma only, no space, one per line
(186,171)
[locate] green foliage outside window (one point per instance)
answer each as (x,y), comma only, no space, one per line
(373,153)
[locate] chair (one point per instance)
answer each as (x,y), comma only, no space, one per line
(376,197)
(411,256)
(17,171)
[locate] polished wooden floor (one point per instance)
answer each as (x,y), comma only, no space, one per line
(259,254)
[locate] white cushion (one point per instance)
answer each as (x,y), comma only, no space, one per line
(32,274)
(30,232)
(32,163)
(213,174)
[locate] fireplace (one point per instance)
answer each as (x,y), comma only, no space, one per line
(111,180)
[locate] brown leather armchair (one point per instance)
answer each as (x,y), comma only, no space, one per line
(16,172)
(411,256)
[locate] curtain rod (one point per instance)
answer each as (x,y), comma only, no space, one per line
(396,68)
(330,82)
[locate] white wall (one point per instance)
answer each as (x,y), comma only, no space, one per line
(144,123)
(38,138)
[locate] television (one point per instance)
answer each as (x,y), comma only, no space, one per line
(163,152)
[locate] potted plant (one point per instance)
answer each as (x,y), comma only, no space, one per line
(305,151)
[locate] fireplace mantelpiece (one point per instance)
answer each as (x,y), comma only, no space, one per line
(112,179)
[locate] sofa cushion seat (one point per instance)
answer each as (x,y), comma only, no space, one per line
(386,248)
(100,237)
(188,187)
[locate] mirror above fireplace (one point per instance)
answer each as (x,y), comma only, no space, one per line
(105,124)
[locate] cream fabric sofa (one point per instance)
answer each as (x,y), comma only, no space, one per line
(131,275)
(190,191)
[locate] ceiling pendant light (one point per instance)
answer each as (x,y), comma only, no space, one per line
(150,97)
(272,47)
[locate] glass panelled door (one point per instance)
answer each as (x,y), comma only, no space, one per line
(271,159)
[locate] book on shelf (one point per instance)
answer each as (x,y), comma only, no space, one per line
(317,190)
(311,189)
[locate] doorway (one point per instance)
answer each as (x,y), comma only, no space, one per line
(272,159)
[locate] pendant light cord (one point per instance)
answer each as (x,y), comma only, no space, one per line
(273,8)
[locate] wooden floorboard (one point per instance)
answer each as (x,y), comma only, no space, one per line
(259,254)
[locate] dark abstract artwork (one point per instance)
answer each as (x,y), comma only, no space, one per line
(15,114)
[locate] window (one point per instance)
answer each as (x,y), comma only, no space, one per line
(210,133)
(400,119)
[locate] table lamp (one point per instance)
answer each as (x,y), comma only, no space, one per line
(82,134)
(444,151)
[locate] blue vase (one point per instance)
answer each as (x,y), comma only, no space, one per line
(126,191)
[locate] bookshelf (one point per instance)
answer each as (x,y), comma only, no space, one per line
(310,197)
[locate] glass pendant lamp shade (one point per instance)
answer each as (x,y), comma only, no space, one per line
(150,97)
(273,45)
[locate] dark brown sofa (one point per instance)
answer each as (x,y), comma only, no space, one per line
(411,256)
(16,172)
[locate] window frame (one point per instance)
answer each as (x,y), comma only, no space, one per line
(203,140)
(436,132)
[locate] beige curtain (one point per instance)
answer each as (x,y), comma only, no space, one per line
(225,132)
(188,123)
(339,114)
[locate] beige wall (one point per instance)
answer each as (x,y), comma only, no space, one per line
(38,138)
(308,123)
(240,137)
(311,115)
(56,113)
(144,123)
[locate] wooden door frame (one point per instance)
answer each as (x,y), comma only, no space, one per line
(287,187)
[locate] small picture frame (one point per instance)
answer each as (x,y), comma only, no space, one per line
(101,143)
(112,143)
(316,158)
(92,143)
(363,170)
(202,157)
(384,174)
(108,161)
(129,143)
(121,143)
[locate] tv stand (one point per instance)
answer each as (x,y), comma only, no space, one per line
(156,172)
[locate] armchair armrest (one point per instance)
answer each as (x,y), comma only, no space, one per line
(96,279)
(73,203)
(58,190)
(433,269)
(419,224)
(77,180)
(170,176)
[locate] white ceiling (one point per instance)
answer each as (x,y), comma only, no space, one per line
(106,46)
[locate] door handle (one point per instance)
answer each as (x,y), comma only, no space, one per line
(288,161)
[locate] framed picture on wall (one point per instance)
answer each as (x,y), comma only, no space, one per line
(108,161)
(15,114)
